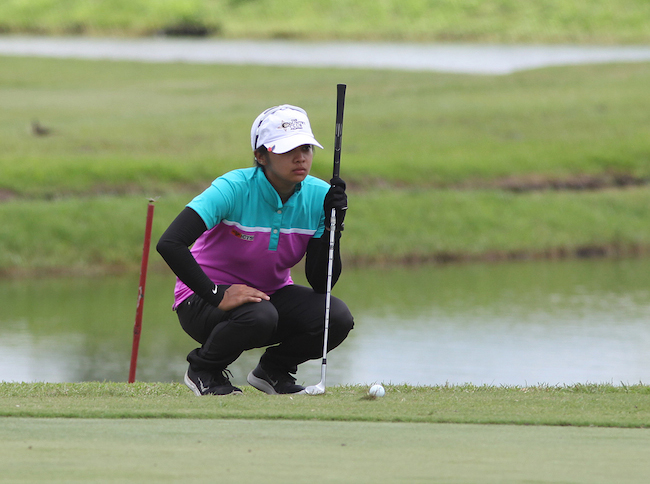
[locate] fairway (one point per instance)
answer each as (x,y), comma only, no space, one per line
(175,450)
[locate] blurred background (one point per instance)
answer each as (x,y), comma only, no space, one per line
(496,155)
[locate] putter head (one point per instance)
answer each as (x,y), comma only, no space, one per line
(315,389)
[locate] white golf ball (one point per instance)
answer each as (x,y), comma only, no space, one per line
(377,391)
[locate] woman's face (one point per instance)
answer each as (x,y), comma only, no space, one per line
(284,171)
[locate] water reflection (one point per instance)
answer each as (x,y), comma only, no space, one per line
(511,324)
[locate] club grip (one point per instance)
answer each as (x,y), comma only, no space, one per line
(338,134)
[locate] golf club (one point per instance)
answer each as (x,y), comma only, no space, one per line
(340,102)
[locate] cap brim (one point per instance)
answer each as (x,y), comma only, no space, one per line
(285,145)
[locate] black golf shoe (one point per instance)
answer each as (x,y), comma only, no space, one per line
(274,382)
(205,383)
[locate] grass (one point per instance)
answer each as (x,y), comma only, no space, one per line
(94,432)
(120,126)
(435,226)
(592,21)
(578,405)
(123,132)
(451,225)
(126,130)
(159,450)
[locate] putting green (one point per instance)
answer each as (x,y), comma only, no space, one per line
(175,450)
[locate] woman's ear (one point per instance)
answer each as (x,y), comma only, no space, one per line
(260,157)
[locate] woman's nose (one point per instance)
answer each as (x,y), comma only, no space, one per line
(299,156)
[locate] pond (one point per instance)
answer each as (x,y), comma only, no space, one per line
(523,323)
(492,59)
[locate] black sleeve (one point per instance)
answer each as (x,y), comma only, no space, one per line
(174,246)
(317,260)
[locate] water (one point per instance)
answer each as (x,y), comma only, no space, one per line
(502,324)
(460,58)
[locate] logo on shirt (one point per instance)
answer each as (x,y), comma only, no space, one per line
(238,234)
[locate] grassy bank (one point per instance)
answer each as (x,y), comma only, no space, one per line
(579,405)
(440,167)
(117,126)
(90,234)
(547,21)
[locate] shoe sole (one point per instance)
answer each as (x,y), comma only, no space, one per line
(192,386)
(264,386)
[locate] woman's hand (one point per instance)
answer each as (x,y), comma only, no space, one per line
(239,294)
(336,198)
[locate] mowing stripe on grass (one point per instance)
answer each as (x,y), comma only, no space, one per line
(162,450)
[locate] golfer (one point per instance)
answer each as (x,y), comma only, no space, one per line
(232,249)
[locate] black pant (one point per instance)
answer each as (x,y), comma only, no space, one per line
(291,324)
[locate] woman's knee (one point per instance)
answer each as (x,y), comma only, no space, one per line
(262,318)
(341,320)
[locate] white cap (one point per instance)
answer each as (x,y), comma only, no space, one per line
(281,129)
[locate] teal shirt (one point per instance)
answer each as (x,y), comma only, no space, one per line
(252,237)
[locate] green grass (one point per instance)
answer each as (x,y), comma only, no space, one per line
(460,225)
(145,432)
(578,405)
(234,451)
(595,21)
(427,160)
(129,131)
(119,126)
(440,225)
(77,234)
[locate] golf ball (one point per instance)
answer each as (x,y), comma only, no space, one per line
(377,391)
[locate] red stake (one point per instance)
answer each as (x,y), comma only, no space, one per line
(143,280)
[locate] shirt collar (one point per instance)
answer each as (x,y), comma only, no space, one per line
(268,192)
